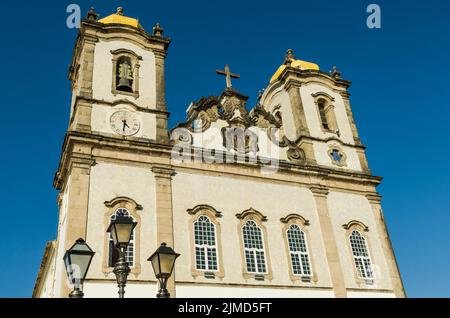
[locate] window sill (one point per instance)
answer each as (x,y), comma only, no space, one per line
(257,277)
(133,94)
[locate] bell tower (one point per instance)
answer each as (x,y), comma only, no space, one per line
(118,115)
(317,115)
(118,66)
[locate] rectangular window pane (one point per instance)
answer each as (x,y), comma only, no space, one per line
(305,265)
(212,259)
(200,258)
(296,269)
(261,262)
(250,260)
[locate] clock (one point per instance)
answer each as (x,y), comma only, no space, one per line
(125,123)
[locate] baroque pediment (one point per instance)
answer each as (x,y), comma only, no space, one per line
(222,121)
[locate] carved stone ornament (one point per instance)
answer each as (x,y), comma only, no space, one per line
(181,135)
(296,154)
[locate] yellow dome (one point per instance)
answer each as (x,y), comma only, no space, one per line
(303,65)
(119,18)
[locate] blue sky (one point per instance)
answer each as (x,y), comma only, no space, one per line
(400,98)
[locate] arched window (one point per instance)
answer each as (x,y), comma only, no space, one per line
(254,248)
(326,113)
(124,74)
(298,251)
(322,112)
(361,256)
(205,244)
(113,252)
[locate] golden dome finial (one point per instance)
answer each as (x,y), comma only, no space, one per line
(290,54)
(291,61)
(119,18)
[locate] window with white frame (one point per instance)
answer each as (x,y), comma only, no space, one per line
(361,256)
(298,251)
(205,244)
(254,248)
(113,252)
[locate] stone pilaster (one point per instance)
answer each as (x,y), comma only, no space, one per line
(301,126)
(87,66)
(346,98)
(337,276)
(363,160)
(388,251)
(308,147)
(83,109)
(164,212)
(162,134)
(82,116)
(77,208)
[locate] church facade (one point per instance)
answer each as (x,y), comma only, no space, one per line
(276,201)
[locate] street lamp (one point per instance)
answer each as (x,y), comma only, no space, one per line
(121,229)
(163,261)
(77,260)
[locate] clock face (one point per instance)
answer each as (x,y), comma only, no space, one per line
(125,123)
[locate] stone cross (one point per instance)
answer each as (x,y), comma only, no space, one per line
(228,75)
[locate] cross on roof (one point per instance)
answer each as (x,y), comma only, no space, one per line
(228,75)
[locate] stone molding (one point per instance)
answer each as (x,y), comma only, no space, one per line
(204,207)
(303,224)
(259,219)
(214,216)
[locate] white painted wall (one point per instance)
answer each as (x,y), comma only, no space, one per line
(101,115)
(233,196)
(343,208)
(102,76)
(109,181)
(110,289)
(365,294)
(48,279)
(281,97)
(60,271)
(197,291)
(321,153)
(312,116)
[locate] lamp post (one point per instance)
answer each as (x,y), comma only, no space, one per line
(163,261)
(121,229)
(77,260)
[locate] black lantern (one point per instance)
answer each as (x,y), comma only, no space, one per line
(121,230)
(77,261)
(163,261)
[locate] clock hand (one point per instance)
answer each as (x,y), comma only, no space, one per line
(125,124)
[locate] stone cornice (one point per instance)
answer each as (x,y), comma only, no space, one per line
(105,30)
(308,74)
(163,171)
(119,101)
(202,207)
(320,191)
(310,138)
(374,198)
(355,223)
(149,149)
(251,211)
(115,201)
(294,216)
(88,139)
